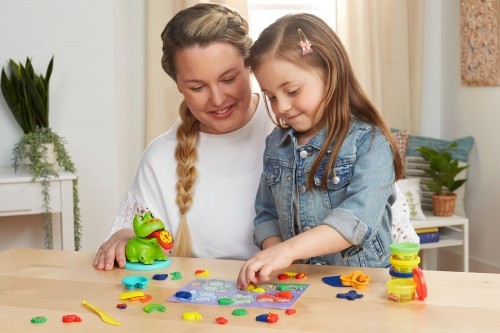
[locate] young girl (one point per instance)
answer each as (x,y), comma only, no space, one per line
(327,185)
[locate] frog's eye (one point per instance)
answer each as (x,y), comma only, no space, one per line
(151,214)
(141,218)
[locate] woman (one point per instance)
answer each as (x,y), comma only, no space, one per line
(201,176)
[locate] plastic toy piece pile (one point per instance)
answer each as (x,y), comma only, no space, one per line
(202,272)
(270,317)
(355,279)
(286,275)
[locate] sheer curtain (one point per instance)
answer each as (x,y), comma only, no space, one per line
(384,39)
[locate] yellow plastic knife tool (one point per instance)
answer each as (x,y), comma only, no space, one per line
(104,316)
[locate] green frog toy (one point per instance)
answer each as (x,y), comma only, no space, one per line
(149,241)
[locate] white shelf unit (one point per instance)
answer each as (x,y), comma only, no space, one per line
(453,230)
(20,195)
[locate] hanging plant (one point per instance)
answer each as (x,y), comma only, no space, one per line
(27,95)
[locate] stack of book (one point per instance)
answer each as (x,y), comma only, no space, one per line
(428,235)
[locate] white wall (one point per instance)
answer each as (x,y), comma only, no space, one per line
(97,99)
(473,111)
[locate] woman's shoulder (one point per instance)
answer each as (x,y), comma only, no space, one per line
(162,145)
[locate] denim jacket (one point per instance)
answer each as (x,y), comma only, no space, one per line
(358,206)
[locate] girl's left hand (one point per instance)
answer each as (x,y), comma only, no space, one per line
(259,268)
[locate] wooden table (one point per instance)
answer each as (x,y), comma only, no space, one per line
(53,283)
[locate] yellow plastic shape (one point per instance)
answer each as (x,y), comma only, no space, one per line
(355,279)
(105,317)
(192,316)
(131,294)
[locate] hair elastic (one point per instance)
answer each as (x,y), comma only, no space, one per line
(304,43)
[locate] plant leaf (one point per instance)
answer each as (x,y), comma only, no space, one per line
(12,100)
(38,106)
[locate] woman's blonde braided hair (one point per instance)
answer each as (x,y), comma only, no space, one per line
(199,25)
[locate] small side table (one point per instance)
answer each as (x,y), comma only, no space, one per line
(19,195)
(454,231)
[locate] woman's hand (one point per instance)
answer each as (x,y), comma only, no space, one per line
(113,248)
(259,268)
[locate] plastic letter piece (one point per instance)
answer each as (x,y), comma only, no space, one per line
(184,295)
(131,294)
(132,282)
(191,316)
(71,319)
(239,312)
(160,276)
(154,307)
(221,320)
(350,295)
(333,281)
(38,320)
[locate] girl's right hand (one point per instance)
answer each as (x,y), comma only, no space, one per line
(113,248)
(259,268)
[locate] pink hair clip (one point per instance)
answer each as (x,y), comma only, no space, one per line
(304,43)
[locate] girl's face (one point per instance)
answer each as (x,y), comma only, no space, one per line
(216,86)
(294,93)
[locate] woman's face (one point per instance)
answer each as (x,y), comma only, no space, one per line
(215,85)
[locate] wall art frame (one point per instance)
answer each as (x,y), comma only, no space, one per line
(479,42)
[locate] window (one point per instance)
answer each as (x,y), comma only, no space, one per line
(264,12)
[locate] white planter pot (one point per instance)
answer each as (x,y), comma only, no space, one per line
(48,155)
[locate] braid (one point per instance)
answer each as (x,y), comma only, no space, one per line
(185,153)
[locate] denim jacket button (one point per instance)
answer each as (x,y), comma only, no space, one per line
(303,154)
(302,189)
(336,180)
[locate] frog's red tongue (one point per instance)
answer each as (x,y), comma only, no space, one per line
(163,238)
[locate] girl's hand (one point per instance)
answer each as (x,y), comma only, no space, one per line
(113,248)
(259,268)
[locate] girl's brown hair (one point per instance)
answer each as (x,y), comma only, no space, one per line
(199,25)
(343,97)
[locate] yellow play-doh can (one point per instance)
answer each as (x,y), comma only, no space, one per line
(401,290)
(404,266)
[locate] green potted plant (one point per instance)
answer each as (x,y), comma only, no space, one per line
(41,150)
(443,171)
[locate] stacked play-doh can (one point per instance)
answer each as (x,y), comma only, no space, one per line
(407,277)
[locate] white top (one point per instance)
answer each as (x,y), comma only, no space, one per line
(228,168)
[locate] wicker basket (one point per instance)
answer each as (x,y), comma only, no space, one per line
(444,205)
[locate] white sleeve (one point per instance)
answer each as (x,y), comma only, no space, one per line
(402,229)
(128,208)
